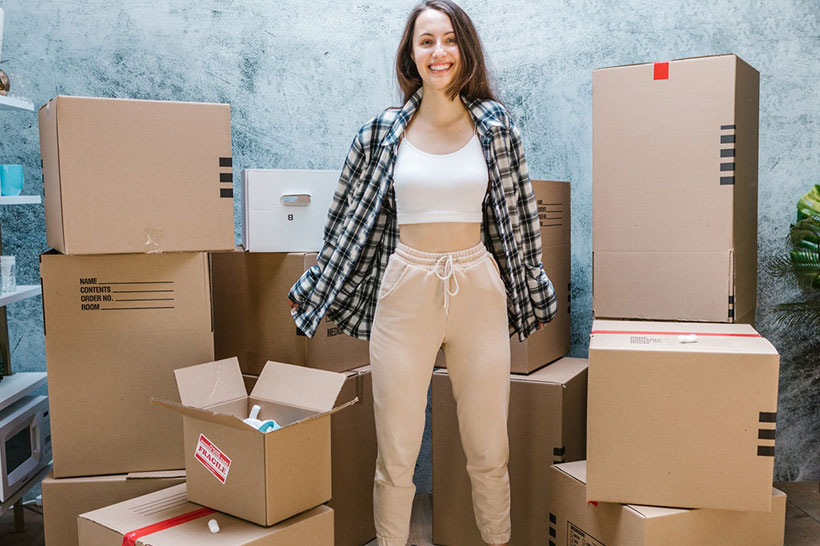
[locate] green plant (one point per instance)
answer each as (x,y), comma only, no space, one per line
(802,262)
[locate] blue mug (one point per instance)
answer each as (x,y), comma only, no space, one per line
(11,179)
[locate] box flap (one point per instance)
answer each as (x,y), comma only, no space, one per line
(156,474)
(559,372)
(207,415)
(211,383)
(298,386)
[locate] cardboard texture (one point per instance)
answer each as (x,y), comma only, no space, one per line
(573,521)
(553,341)
(116,327)
(234,468)
(547,424)
(252,318)
(64,499)
(675,191)
(688,425)
(184,523)
(123,176)
(284,210)
(353,459)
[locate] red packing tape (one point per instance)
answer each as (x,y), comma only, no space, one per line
(662,71)
(650,333)
(130,539)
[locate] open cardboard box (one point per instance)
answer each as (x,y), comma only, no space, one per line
(232,467)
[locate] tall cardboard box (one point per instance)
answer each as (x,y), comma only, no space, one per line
(547,424)
(681,421)
(232,467)
(64,499)
(353,459)
(116,326)
(574,521)
(166,518)
(123,176)
(674,171)
(553,341)
(252,318)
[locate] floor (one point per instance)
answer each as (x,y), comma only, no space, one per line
(802,520)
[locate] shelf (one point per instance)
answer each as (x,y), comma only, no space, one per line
(8,503)
(20,200)
(23,291)
(16,103)
(14,387)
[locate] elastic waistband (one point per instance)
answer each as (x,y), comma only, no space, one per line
(459,257)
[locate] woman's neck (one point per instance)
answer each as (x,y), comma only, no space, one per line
(439,111)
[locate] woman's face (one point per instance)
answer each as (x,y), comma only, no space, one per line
(435,51)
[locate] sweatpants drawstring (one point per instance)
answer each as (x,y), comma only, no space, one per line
(449,273)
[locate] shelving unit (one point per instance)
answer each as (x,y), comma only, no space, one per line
(20,200)
(16,103)
(16,386)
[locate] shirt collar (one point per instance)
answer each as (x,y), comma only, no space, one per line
(482,112)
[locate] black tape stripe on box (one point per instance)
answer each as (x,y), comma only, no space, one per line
(226,177)
(724,127)
(765,451)
(727,152)
(552,543)
(727,167)
(727,139)
(766,434)
(731,300)
(552,518)
(559,451)
(226,162)
(727,180)
(552,532)
(731,313)
(226,192)
(768,416)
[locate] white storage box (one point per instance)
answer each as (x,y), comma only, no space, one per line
(285,210)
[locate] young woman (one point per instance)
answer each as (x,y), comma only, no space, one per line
(433,240)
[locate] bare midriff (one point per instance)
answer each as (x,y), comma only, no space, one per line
(440,236)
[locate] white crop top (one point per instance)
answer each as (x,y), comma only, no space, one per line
(440,187)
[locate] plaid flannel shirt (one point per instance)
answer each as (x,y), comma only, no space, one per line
(361,231)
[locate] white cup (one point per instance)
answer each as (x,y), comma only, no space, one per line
(8,274)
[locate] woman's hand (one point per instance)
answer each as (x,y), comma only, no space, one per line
(293,306)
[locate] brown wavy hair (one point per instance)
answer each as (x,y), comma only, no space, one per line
(472,80)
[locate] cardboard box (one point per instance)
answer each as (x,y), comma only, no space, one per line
(674,170)
(252,316)
(574,521)
(284,210)
(236,469)
(547,424)
(553,341)
(64,499)
(123,176)
(166,518)
(353,459)
(116,327)
(689,425)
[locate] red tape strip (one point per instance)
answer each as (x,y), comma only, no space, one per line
(662,71)
(130,539)
(650,333)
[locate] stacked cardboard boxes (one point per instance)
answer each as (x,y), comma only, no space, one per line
(680,414)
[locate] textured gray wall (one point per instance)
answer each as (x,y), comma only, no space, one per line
(301,77)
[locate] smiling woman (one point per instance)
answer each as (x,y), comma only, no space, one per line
(433,240)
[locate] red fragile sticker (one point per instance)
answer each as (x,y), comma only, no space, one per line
(130,539)
(662,71)
(212,458)
(593,503)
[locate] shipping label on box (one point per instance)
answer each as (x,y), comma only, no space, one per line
(284,210)
(133,176)
(574,521)
(166,518)
(237,469)
(681,414)
(547,424)
(116,326)
(675,190)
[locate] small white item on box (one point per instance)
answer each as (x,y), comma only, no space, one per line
(213,525)
(267,425)
(688,338)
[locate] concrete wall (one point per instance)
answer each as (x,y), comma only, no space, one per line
(301,77)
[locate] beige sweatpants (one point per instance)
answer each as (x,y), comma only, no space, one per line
(427,300)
